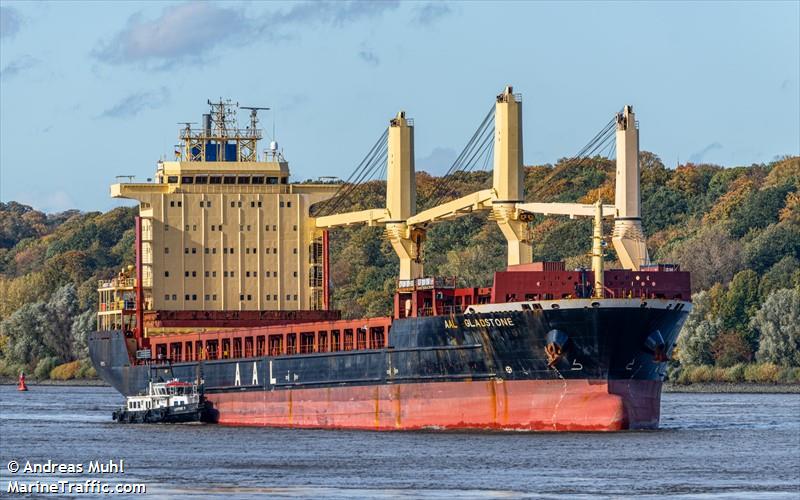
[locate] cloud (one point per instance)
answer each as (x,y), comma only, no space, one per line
(10,22)
(698,156)
(183,32)
(431,13)
(137,102)
(17,66)
(438,161)
(369,57)
(335,13)
(190,32)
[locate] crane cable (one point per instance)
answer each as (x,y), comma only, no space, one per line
(601,141)
(478,145)
(363,172)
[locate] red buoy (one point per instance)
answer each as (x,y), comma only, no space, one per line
(21,386)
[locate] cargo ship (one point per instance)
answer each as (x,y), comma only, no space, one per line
(232,281)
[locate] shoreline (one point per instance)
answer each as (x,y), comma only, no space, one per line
(699,387)
(731,388)
(79,382)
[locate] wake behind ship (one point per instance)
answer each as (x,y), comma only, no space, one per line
(231,286)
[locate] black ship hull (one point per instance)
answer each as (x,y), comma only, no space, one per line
(489,369)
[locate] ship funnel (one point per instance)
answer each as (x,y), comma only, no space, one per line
(206,124)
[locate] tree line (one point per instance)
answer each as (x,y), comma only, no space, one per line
(736,229)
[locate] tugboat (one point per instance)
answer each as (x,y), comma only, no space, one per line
(165,402)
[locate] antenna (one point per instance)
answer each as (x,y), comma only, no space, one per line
(254,116)
(187,128)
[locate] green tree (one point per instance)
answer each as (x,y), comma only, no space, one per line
(712,256)
(24,332)
(759,210)
(772,244)
(61,309)
(664,208)
(779,276)
(82,325)
(741,301)
(778,325)
(729,348)
(699,332)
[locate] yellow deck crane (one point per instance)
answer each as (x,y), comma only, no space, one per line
(405,228)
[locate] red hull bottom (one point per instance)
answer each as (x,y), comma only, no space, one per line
(528,405)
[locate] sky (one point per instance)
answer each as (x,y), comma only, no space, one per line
(92,90)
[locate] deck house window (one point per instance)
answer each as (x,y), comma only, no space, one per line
(244,179)
(215,179)
(237,348)
(248,347)
(229,179)
(322,342)
(187,179)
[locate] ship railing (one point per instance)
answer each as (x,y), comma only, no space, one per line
(117,283)
(117,305)
(427,283)
(429,311)
(240,188)
(230,133)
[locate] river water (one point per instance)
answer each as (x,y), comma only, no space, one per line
(709,446)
